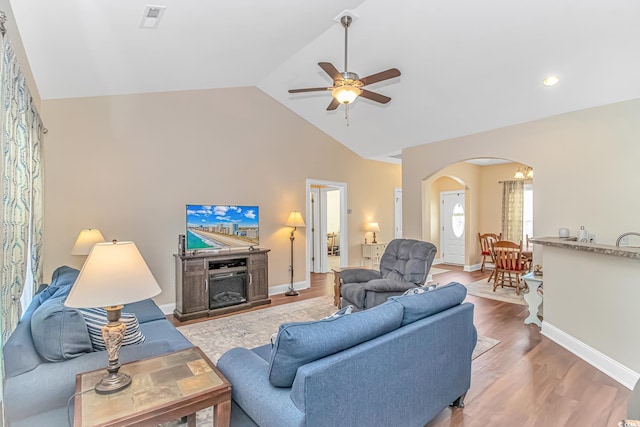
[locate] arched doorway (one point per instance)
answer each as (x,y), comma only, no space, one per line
(481,182)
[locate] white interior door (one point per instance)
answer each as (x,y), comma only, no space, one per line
(452,227)
(397,203)
(317,233)
(314,200)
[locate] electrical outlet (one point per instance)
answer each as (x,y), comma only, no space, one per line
(592,238)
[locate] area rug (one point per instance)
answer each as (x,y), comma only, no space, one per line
(484,289)
(255,328)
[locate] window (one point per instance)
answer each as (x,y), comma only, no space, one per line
(457,220)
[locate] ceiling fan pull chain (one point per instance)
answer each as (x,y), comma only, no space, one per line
(346,113)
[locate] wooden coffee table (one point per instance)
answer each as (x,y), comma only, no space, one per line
(163,388)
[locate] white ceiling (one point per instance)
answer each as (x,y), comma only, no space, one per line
(467,65)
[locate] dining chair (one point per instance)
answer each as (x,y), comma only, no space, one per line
(508,263)
(485,249)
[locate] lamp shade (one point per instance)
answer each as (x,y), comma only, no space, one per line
(295,220)
(85,241)
(113,274)
(373,226)
(346,94)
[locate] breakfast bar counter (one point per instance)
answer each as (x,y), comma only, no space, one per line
(567,243)
(591,296)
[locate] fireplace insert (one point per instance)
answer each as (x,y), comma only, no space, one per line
(227,283)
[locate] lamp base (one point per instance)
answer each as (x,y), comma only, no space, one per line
(113,334)
(292,293)
(113,382)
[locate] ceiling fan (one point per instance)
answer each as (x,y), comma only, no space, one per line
(347,86)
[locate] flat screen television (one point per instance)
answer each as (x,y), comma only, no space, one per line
(211,227)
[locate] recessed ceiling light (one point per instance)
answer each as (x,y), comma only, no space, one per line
(551,80)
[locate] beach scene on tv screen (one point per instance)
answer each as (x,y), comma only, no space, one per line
(222,226)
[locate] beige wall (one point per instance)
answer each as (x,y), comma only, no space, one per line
(128,165)
(586,173)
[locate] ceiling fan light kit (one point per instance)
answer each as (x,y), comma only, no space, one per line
(346,94)
(347,86)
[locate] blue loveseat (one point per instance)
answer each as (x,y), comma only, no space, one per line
(40,375)
(397,364)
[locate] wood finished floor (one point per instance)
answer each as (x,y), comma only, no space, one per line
(525,381)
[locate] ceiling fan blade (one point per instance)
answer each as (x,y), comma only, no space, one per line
(375,96)
(331,70)
(333,105)
(378,77)
(309,89)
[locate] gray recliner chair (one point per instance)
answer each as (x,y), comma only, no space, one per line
(405,264)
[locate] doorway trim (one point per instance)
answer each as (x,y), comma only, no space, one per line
(397,209)
(344,226)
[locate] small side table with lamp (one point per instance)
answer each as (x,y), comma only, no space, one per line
(114,274)
(149,391)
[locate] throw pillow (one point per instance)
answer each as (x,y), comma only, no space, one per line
(59,333)
(62,280)
(96,318)
(343,311)
(419,290)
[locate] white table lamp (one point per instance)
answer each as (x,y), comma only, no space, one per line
(85,241)
(373,226)
(113,274)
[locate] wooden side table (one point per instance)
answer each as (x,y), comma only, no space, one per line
(337,284)
(163,388)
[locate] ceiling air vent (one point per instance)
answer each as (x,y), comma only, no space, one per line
(152,16)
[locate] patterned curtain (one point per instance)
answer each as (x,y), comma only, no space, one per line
(21,209)
(512,210)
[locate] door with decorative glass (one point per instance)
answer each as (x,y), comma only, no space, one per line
(452,226)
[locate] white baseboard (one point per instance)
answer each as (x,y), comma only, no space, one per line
(281,289)
(474,267)
(602,362)
(168,308)
(273,290)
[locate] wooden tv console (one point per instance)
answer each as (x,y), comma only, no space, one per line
(194,273)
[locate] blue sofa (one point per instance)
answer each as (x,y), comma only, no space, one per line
(37,386)
(397,364)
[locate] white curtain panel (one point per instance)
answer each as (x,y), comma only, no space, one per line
(512,210)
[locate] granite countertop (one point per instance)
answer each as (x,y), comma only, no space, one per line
(572,243)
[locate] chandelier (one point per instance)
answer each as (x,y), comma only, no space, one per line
(524,172)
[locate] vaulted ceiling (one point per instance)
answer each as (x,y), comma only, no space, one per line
(467,65)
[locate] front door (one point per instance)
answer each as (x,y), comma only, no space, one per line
(452,227)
